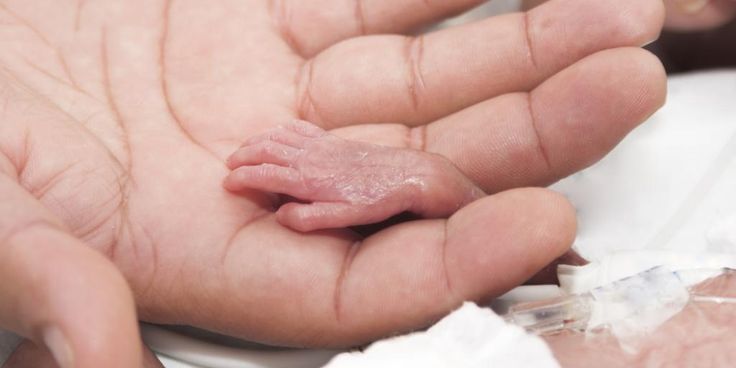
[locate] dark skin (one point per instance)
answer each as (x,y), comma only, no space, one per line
(116,119)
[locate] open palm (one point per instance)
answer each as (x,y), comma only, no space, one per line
(117,117)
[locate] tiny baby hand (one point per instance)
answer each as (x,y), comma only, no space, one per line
(344,183)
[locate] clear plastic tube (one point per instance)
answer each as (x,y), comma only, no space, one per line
(646,298)
(549,316)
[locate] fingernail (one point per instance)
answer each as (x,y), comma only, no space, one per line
(59,347)
(691,6)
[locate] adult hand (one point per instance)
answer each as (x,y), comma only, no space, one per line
(117,116)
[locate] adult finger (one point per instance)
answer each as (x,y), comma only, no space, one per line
(416,80)
(686,15)
(338,290)
(310,26)
(567,123)
(486,249)
(30,355)
(60,293)
(693,15)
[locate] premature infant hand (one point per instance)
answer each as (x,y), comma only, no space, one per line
(344,183)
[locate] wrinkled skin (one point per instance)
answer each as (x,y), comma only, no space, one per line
(343,183)
(116,118)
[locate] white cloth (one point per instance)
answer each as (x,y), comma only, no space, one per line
(471,337)
(671,184)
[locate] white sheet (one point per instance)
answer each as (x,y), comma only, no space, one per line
(672,183)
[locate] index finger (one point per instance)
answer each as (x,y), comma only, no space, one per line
(412,81)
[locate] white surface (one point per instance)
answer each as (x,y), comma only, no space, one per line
(471,337)
(171,363)
(670,184)
(206,355)
(618,265)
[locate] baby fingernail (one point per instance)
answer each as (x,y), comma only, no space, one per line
(59,347)
(691,6)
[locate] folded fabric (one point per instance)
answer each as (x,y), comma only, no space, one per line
(471,337)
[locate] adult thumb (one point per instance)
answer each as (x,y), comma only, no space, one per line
(64,296)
